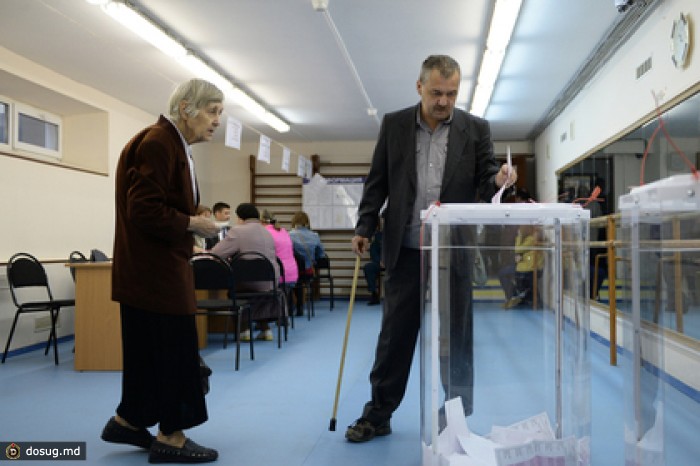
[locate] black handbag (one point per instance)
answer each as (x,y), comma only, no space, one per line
(204,373)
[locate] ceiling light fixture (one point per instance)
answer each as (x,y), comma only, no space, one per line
(144,28)
(505,14)
(149,31)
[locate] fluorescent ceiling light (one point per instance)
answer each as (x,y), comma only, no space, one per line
(152,33)
(144,28)
(272,120)
(239,97)
(505,15)
(248,103)
(200,69)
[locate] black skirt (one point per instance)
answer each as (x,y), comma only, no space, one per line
(161,381)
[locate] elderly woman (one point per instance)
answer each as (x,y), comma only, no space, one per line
(156,201)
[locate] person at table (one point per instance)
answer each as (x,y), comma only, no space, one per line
(250,235)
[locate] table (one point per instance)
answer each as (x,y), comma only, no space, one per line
(98,345)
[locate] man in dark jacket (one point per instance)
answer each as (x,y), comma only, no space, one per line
(424,154)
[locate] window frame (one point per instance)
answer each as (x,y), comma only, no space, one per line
(7,144)
(19,109)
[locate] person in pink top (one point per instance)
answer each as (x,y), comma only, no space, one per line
(283,248)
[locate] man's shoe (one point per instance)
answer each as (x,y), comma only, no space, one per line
(190,452)
(512,302)
(114,432)
(265,335)
(363,430)
(245,335)
(374,300)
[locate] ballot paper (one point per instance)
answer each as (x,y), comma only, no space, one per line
(496,199)
(648,450)
(479,449)
(530,442)
(534,428)
(540,453)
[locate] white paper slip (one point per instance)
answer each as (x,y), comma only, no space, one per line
(540,453)
(496,199)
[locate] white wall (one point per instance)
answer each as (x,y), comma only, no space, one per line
(614,100)
(49,211)
(224,173)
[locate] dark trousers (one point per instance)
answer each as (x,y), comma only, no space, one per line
(397,337)
(161,381)
(371,270)
(507,278)
(399,332)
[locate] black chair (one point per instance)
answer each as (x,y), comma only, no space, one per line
(76,257)
(287,290)
(322,271)
(26,275)
(253,270)
(98,256)
(213,274)
(304,287)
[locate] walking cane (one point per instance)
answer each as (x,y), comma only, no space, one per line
(345,342)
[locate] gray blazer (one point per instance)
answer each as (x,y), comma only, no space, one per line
(470,168)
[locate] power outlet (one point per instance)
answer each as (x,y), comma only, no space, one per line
(43,323)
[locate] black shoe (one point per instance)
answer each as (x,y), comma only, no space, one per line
(116,433)
(190,452)
(363,430)
(374,300)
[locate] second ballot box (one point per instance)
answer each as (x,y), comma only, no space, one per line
(658,261)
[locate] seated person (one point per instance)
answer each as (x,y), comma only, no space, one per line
(528,260)
(306,242)
(248,234)
(505,235)
(374,266)
(200,242)
(222,218)
(283,248)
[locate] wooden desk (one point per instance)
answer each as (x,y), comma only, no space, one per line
(98,343)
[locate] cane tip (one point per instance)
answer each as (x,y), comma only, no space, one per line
(332,426)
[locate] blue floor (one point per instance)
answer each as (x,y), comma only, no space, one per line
(276,410)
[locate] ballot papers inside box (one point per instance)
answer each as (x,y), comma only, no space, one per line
(505,382)
(658,258)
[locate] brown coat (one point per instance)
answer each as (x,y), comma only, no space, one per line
(154,201)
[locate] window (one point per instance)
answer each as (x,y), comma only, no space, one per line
(37,131)
(4,124)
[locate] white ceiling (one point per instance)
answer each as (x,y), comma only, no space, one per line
(285,54)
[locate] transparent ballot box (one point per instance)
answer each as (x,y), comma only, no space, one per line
(505,375)
(658,263)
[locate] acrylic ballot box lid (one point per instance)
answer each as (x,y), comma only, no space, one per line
(515,213)
(673,194)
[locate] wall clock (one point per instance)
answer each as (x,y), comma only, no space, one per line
(680,41)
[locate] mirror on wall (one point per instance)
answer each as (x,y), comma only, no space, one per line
(623,164)
(648,153)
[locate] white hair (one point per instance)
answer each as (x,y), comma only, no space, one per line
(197,93)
